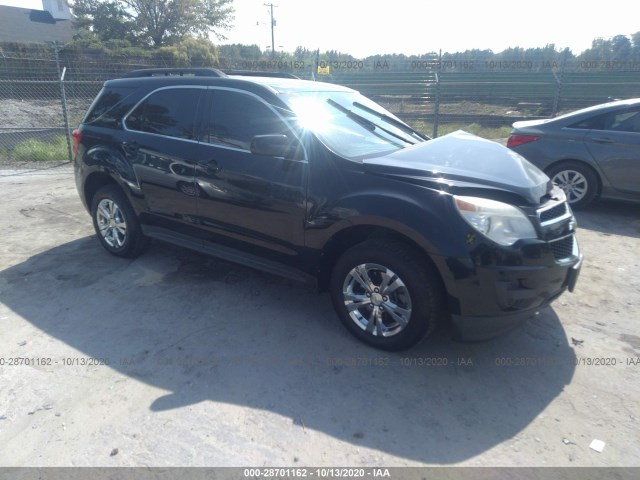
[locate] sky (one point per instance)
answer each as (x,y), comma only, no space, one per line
(364,28)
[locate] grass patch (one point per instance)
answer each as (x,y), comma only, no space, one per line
(54,150)
(491,133)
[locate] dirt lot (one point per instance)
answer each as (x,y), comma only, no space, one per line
(178,359)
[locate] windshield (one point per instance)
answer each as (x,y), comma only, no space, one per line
(350,124)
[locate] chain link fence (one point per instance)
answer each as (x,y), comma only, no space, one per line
(487,97)
(44,95)
(45,91)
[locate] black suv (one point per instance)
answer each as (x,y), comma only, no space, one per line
(315,182)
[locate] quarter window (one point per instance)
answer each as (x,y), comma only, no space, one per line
(235,118)
(105,101)
(169,112)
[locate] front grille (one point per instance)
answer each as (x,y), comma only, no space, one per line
(562,248)
(552,213)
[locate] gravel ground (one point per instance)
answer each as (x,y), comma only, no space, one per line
(178,359)
(40,120)
(34,113)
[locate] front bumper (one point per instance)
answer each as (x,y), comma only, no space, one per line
(479,327)
(488,300)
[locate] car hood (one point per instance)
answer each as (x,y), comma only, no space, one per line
(464,160)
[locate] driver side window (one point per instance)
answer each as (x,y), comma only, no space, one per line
(235,118)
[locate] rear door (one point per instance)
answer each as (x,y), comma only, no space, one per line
(615,146)
(252,201)
(159,140)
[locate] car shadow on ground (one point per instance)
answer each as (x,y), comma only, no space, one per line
(611,217)
(207,330)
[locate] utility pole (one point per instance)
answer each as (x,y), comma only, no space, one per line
(273,24)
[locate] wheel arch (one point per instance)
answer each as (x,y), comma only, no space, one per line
(583,163)
(94,182)
(102,165)
(350,236)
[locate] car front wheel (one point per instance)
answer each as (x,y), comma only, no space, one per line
(386,294)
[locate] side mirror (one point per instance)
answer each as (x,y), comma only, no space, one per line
(274,146)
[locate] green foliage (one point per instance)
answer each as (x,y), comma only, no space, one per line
(619,49)
(124,48)
(25,50)
(88,42)
(635,41)
(249,57)
(302,53)
(85,40)
(235,53)
(140,27)
(53,150)
(106,19)
(152,22)
(191,52)
(164,22)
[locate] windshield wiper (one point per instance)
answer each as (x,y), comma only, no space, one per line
(366,122)
(391,121)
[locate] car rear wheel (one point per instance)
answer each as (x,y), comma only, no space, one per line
(578,181)
(386,294)
(116,223)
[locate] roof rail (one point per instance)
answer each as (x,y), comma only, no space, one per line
(253,73)
(168,72)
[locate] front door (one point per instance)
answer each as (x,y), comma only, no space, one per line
(252,201)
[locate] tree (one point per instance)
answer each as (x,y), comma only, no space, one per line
(635,52)
(108,20)
(191,52)
(163,22)
(302,53)
(600,51)
(621,48)
(152,22)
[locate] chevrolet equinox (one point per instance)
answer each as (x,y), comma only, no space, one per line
(315,182)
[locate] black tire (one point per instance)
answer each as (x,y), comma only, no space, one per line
(421,285)
(129,244)
(579,182)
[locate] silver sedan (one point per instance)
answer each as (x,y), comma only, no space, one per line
(594,152)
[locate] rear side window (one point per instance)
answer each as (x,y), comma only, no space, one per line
(105,102)
(169,112)
(592,123)
(621,121)
(628,121)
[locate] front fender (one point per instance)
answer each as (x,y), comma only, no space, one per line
(427,220)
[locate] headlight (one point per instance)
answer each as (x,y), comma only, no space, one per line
(501,222)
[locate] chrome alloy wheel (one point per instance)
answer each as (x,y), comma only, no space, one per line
(111,223)
(377,300)
(573,183)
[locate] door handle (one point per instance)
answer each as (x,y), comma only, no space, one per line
(602,140)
